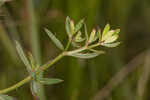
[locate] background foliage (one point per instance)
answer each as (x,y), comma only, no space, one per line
(24,20)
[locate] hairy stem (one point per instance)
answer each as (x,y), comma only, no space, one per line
(29,78)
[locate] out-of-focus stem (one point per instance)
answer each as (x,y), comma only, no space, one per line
(35,43)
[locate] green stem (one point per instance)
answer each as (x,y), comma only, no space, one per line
(83,48)
(94,45)
(68,44)
(27,79)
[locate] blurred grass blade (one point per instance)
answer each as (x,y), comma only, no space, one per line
(84,55)
(49,81)
(68,26)
(6,97)
(106,29)
(79,25)
(2,2)
(111,45)
(54,39)
(23,57)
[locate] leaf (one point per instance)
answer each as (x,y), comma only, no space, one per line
(32,61)
(92,36)
(111,45)
(79,25)
(6,97)
(72,26)
(108,35)
(97,51)
(49,81)
(84,55)
(86,33)
(117,31)
(111,39)
(68,27)
(106,29)
(78,37)
(97,35)
(23,57)
(34,88)
(54,39)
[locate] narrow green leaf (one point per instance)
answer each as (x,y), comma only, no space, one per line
(34,88)
(6,97)
(86,33)
(49,81)
(97,35)
(34,66)
(97,51)
(68,26)
(92,36)
(106,29)
(23,57)
(79,25)
(100,35)
(54,39)
(84,55)
(32,61)
(111,45)
(78,37)
(72,26)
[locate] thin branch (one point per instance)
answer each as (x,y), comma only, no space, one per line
(27,79)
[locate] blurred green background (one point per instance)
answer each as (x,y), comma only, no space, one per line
(24,20)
